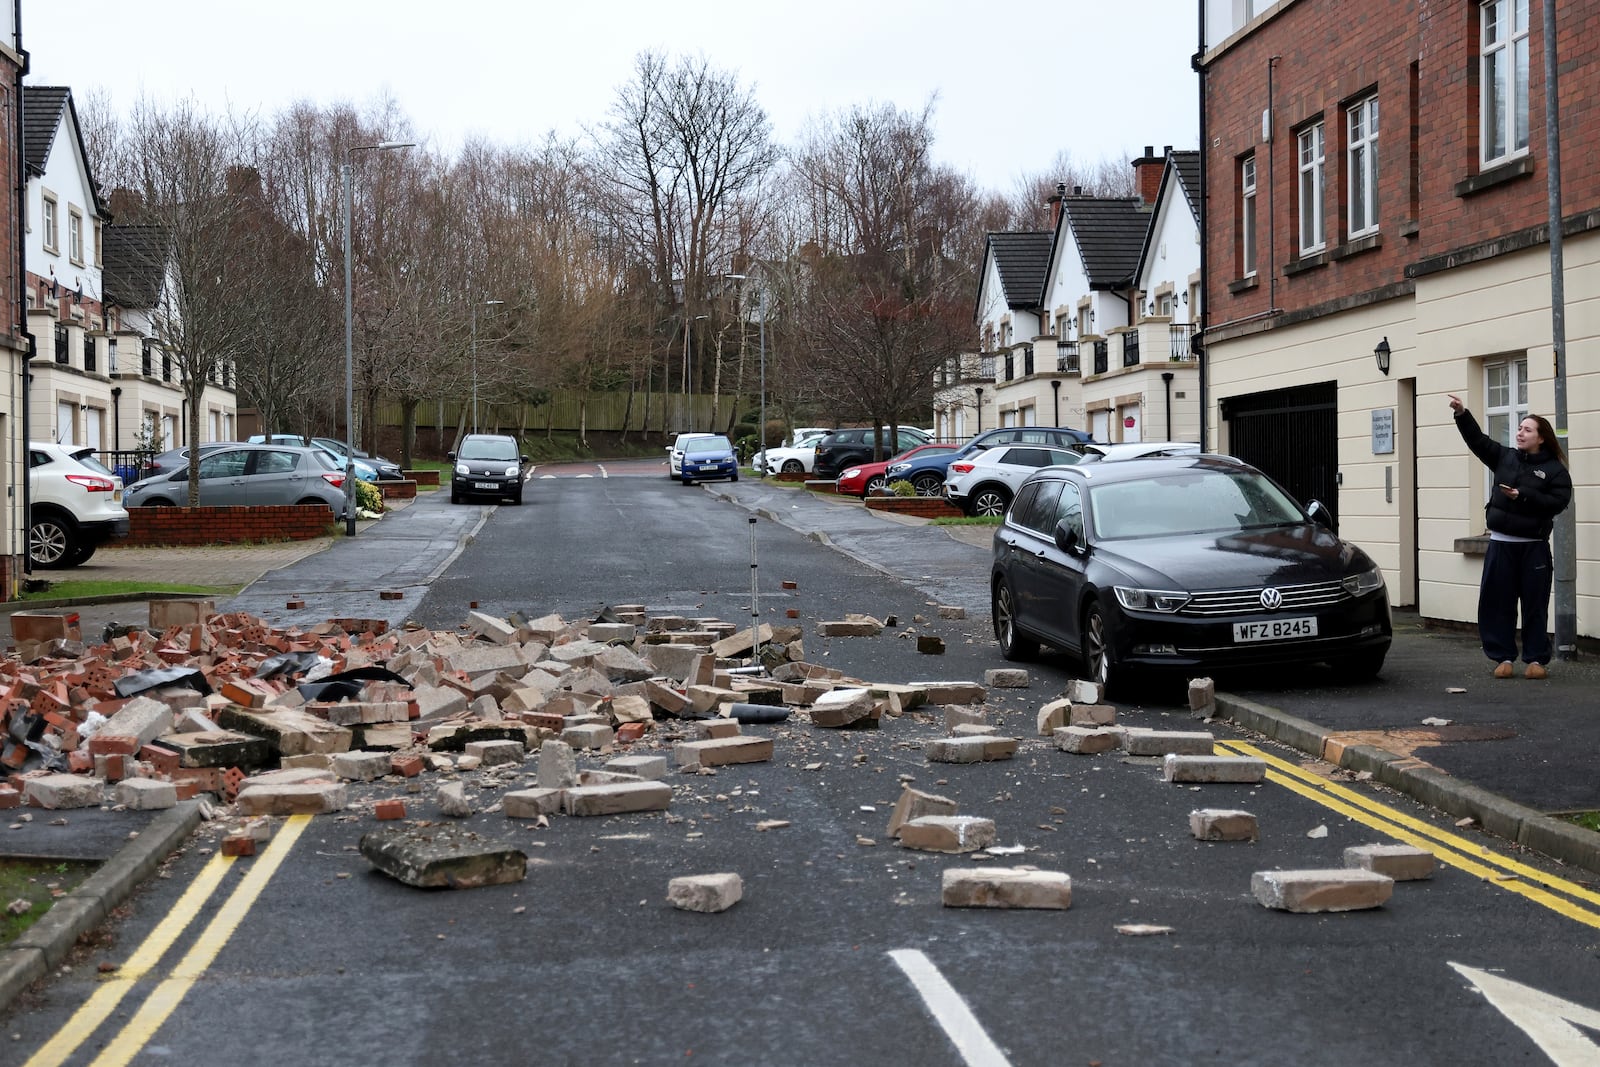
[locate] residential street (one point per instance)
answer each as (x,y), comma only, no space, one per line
(839,951)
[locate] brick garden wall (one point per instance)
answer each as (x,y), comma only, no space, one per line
(928,507)
(225,526)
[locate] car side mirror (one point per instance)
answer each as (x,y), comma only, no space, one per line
(1067,538)
(1319,513)
(524,461)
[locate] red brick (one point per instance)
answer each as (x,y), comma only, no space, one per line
(9,798)
(407,766)
(238,845)
(163,760)
(390,809)
(103,744)
(631,731)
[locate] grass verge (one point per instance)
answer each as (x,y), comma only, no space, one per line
(975,520)
(74,590)
(38,884)
(1589,820)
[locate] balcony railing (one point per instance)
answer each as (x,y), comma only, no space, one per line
(1102,356)
(986,368)
(1130,348)
(61,343)
(1067,357)
(1181,336)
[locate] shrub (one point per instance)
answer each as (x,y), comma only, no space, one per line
(902,488)
(368,497)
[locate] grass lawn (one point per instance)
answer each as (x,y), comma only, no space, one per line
(1589,820)
(73,590)
(975,520)
(39,883)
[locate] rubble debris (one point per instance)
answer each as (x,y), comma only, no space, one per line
(1005,887)
(1403,863)
(914,804)
(947,833)
(1218,824)
(1314,891)
(707,893)
(438,858)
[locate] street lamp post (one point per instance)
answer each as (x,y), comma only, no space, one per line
(349,336)
(688,375)
(486,303)
(761,313)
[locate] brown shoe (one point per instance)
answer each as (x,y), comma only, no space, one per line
(1535,671)
(1505,670)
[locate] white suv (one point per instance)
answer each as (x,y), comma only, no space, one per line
(77,504)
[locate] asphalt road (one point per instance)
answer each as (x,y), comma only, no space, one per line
(321,961)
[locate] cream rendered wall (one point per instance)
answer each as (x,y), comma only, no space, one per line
(1173,252)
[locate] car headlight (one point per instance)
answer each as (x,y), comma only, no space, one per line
(898,468)
(511,471)
(1163,600)
(1362,584)
(853,472)
(461,469)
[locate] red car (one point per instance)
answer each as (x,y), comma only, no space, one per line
(866,478)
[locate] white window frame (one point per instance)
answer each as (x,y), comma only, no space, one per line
(1507,378)
(1311,152)
(49,213)
(1247,215)
(1362,156)
(75,235)
(1502,80)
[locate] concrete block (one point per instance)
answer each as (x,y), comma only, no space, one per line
(708,893)
(650,768)
(1005,887)
(591,736)
(1246,770)
(1086,740)
(914,804)
(145,794)
(558,768)
(62,791)
(1220,824)
(969,749)
(310,798)
(531,803)
(1053,716)
(617,799)
(1312,891)
(1082,691)
(1403,863)
(718,751)
(1092,715)
(1006,678)
(496,753)
(362,766)
(1167,742)
(947,833)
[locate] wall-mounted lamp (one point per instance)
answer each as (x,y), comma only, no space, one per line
(1185,298)
(1150,309)
(1381,353)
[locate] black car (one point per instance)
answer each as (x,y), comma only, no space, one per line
(487,464)
(1183,563)
(842,449)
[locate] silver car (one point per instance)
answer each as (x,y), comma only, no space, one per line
(249,476)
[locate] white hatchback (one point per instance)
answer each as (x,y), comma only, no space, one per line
(985,482)
(76,503)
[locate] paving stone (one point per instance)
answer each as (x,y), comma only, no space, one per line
(718,751)
(650,768)
(617,799)
(496,753)
(969,749)
(914,804)
(1006,678)
(1086,740)
(441,858)
(531,803)
(947,833)
(1403,863)
(1222,824)
(1165,742)
(1005,887)
(61,791)
(1216,769)
(707,893)
(1312,891)
(362,766)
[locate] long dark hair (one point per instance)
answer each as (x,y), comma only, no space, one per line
(1547,433)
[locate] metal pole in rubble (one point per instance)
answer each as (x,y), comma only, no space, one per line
(755,603)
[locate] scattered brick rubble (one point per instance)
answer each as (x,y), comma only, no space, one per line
(289,721)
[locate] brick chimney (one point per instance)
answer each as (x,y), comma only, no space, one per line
(1055,205)
(1147,173)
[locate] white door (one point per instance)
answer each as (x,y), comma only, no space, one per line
(1131,424)
(92,427)
(64,419)
(169,431)
(1100,426)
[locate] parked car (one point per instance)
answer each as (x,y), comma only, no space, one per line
(844,448)
(363,470)
(798,457)
(1182,563)
(802,435)
(927,473)
(985,483)
(864,479)
(76,504)
(384,469)
(487,464)
(709,457)
(250,476)
(177,459)
(675,452)
(277,439)
(1093,452)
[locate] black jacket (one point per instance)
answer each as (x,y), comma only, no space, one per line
(1544,488)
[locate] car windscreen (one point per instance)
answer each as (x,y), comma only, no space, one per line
(702,445)
(1189,501)
(489,449)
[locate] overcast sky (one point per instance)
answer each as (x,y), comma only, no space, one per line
(1017,81)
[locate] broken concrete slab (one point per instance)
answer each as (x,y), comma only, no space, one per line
(1005,887)
(947,833)
(1223,824)
(437,858)
(618,799)
(217,748)
(707,893)
(290,733)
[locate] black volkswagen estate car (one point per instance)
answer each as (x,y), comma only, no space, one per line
(1182,563)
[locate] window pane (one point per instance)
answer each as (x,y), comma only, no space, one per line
(1499,385)
(1358,188)
(1494,102)
(1499,428)
(1520,119)
(1522,387)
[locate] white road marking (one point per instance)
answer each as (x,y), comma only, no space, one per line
(602,468)
(950,1011)
(1547,1020)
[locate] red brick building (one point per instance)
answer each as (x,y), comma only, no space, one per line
(1377,201)
(13,343)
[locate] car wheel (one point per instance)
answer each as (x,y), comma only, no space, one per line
(52,541)
(928,485)
(1014,644)
(516,501)
(686,481)
(82,555)
(873,486)
(735,477)
(1361,666)
(989,500)
(793,466)
(1099,662)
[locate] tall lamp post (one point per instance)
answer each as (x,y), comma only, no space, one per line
(349,335)
(475,306)
(688,402)
(761,313)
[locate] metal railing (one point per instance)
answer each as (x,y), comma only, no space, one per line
(1180,337)
(1067,357)
(129,464)
(1130,349)
(1102,357)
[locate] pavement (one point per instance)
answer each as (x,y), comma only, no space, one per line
(1511,755)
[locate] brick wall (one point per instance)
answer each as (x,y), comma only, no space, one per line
(928,507)
(225,526)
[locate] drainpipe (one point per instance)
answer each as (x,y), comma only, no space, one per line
(980,408)
(1166,380)
(1055,388)
(31,344)
(116,418)
(1199,315)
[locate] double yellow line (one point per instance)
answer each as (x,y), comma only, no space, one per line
(171,991)
(1559,895)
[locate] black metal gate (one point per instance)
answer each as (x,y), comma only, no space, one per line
(1293,435)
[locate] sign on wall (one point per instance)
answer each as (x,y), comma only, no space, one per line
(1382,431)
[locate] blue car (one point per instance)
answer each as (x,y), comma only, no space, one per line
(927,473)
(709,457)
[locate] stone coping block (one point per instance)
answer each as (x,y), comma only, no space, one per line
(306,798)
(58,792)
(617,799)
(1238,770)
(952,692)
(442,859)
(145,794)
(1005,887)
(947,833)
(913,804)
(531,803)
(1313,891)
(497,753)
(1222,824)
(650,768)
(1006,678)
(362,766)
(1087,740)
(1403,863)
(706,893)
(969,749)
(1168,742)
(717,751)
(592,735)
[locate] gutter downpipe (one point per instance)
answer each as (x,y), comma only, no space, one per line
(32,343)
(1197,342)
